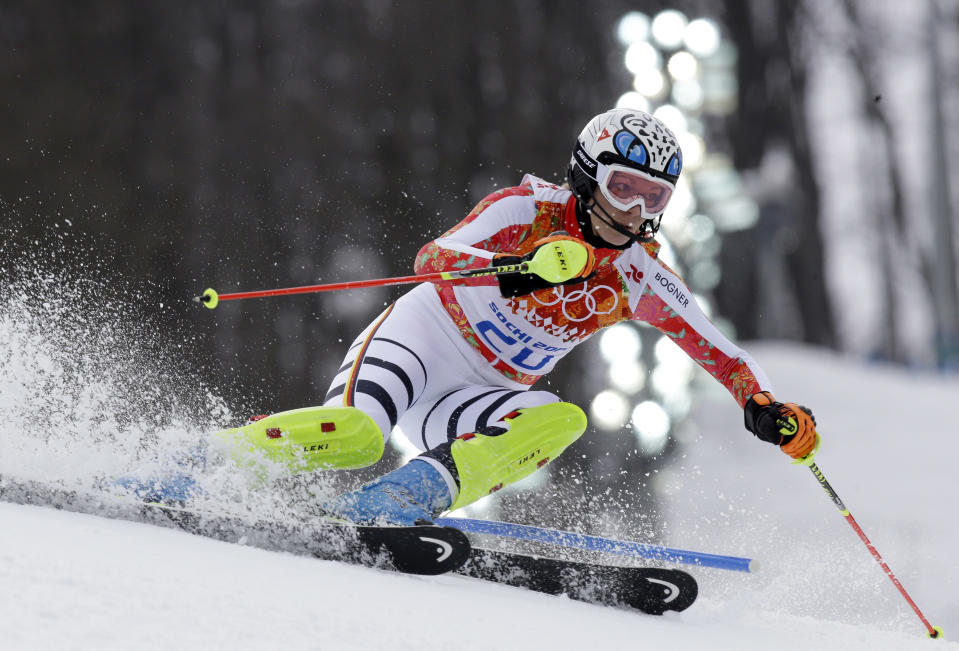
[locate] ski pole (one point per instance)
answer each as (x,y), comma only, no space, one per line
(931,631)
(597,543)
(553,261)
(210,298)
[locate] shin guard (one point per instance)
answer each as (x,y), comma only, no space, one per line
(308,439)
(482,463)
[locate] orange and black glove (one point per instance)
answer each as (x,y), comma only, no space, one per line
(559,259)
(790,426)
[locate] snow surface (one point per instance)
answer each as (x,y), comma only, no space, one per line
(71,581)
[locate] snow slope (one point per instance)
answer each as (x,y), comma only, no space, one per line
(79,582)
(69,581)
(888,450)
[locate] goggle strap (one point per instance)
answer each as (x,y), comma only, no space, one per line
(589,164)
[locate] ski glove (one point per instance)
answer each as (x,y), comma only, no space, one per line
(555,260)
(790,426)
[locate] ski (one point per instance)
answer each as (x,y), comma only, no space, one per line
(651,590)
(426,549)
(573,540)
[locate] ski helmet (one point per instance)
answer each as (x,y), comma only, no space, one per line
(633,159)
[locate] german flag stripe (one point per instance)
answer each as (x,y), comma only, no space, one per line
(350,392)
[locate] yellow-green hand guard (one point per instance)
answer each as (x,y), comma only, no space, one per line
(559,258)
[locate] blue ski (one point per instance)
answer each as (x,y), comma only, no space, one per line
(598,543)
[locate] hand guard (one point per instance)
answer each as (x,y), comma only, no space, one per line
(790,426)
(555,260)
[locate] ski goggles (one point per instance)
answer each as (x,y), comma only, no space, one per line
(627,188)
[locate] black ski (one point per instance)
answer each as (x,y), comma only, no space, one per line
(418,550)
(425,549)
(648,589)
(415,550)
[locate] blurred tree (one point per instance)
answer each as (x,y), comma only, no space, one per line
(250,144)
(778,266)
(888,208)
(941,269)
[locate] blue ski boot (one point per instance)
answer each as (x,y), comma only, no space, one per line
(414,493)
(177,486)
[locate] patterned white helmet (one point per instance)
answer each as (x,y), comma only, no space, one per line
(633,159)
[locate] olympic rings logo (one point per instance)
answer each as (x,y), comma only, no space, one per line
(586,297)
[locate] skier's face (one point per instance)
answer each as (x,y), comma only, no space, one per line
(631,220)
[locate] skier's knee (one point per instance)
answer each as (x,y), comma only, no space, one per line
(484,462)
(308,439)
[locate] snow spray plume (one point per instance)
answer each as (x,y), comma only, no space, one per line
(90,379)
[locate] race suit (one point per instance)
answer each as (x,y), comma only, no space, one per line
(448,358)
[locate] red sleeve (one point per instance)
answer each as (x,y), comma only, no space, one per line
(668,306)
(498,223)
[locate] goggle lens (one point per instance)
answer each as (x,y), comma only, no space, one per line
(627,188)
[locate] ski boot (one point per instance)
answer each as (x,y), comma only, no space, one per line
(175,489)
(457,473)
(292,442)
(412,494)
(176,486)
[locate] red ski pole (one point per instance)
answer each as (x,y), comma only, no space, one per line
(931,631)
(210,298)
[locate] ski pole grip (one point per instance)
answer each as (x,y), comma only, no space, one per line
(808,460)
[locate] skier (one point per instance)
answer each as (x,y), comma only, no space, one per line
(453,365)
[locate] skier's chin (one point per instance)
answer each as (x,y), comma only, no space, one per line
(616,239)
(628,225)
(629,222)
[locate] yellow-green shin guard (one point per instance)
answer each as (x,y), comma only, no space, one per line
(535,436)
(308,439)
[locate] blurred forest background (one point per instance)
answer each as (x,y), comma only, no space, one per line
(248,145)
